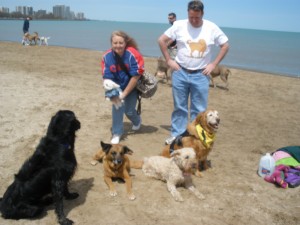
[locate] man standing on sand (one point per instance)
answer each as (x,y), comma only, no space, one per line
(195,37)
(26,28)
(172,48)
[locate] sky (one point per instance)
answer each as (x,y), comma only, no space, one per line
(276,15)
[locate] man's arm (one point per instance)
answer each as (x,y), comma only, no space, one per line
(223,51)
(163,42)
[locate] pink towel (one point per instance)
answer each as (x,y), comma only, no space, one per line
(280,155)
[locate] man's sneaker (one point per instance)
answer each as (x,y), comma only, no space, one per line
(169,140)
(115,139)
(137,127)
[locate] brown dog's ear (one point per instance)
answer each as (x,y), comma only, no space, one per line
(200,117)
(105,147)
(127,150)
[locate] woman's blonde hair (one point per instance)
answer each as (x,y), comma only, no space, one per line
(130,42)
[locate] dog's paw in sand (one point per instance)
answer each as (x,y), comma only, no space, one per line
(113,193)
(94,162)
(131,197)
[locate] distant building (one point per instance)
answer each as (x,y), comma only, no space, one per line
(40,13)
(80,16)
(4,10)
(25,10)
(59,11)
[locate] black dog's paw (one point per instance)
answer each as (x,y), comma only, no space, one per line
(71,196)
(65,221)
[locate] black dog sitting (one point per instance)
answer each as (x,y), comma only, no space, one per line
(45,175)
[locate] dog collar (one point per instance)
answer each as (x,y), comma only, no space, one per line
(66,146)
(206,138)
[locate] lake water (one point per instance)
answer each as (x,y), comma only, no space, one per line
(266,51)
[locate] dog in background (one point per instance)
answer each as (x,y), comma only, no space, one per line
(174,171)
(221,71)
(44,177)
(199,135)
(116,164)
(44,40)
(32,39)
(162,70)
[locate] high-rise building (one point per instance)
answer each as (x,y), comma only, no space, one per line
(80,16)
(59,11)
(4,10)
(25,10)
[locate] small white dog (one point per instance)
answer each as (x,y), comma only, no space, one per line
(113,93)
(44,40)
(176,170)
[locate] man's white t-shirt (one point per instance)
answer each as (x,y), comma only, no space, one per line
(194,44)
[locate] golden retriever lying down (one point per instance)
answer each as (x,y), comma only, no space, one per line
(200,136)
(175,171)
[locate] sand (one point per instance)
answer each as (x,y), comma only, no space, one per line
(259,113)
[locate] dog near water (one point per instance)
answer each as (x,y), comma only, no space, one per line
(116,164)
(44,177)
(221,71)
(162,70)
(174,171)
(32,39)
(44,40)
(199,135)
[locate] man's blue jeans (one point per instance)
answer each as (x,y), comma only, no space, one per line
(185,85)
(129,109)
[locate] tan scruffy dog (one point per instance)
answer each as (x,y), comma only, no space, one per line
(175,171)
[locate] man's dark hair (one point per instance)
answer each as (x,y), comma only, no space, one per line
(196,6)
(172,14)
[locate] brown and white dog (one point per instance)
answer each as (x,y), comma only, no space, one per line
(200,136)
(34,38)
(116,164)
(221,71)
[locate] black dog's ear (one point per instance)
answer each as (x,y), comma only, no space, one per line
(127,150)
(105,147)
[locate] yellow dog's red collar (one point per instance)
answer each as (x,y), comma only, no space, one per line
(206,138)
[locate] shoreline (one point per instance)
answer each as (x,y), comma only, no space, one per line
(153,57)
(259,114)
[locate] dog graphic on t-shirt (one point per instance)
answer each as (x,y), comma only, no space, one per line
(197,47)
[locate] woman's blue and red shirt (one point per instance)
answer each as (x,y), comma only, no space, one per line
(132,59)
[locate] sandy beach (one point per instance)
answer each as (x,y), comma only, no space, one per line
(259,113)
